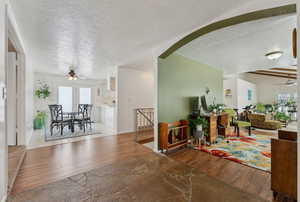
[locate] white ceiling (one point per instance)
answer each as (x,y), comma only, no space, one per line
(96,35)
(242,48)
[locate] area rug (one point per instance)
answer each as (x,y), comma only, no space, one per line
(68,134)
(253,151)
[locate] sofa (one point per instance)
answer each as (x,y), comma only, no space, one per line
(263,121)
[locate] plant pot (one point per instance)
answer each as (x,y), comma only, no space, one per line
(38,123)
(199,128)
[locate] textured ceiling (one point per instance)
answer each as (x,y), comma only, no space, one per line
(96,35)
(242,47)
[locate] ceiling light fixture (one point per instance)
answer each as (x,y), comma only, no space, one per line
(72,75)
(275,55)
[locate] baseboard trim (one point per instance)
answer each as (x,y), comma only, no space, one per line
(4,198)
(126,132)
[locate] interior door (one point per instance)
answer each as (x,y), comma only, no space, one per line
(11,99)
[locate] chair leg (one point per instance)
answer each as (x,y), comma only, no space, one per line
(61,129)
(238,131)
(51,130)
(249,130)
(275,194)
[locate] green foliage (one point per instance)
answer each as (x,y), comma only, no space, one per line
(290,103)
(40,115)
(282,117)
(217,107)
(269,108)
(43,91)
(260,108)
(194,122)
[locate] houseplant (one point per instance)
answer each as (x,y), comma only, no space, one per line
(199,128)
(216,108)
(282,117)
(42,91)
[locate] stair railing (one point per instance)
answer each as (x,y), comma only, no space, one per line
(144,120)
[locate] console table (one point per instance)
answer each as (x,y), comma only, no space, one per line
(173,135)
(215,120)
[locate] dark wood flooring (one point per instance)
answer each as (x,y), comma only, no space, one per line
(247,179)
(50,164)
(16,156)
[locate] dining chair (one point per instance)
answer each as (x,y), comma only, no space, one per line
(233,114)
(57,118)
(86,111)
(79,119)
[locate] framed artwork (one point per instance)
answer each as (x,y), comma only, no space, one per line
(250,94)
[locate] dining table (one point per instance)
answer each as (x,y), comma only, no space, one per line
(72,116)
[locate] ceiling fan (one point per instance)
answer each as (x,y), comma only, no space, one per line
(72,75)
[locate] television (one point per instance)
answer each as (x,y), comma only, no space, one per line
(204,104)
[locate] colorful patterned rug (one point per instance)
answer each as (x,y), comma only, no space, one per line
(253,151)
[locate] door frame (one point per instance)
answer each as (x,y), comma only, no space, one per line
(21,99)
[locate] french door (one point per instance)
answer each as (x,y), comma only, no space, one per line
(69,97)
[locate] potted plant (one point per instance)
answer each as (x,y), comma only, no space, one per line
(39,120)
(42,91)
(216,108)
(282,117)
(199,127)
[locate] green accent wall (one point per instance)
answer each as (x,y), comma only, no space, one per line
(180,78)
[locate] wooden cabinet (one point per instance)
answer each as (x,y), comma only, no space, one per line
(212,132)
(173,135)
(284,164)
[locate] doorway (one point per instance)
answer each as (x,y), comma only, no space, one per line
(14,94)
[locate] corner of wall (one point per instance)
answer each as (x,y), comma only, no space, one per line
(4,198)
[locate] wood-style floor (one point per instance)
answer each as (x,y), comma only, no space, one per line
(243,177)
(49,164)
(16,156)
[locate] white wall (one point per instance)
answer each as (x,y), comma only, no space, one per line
(29,103)
(239,93)
(242,93)
(268,87)
(3,144)
(230,101)
(6,14)
(135,90)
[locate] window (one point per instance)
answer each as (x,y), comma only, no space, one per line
(85,96)
(65,98)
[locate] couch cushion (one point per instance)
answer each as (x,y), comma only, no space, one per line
(257,117)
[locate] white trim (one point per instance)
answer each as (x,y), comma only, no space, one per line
(4,198)
(125,132)
(298,100)
(155,145)
(15,39)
